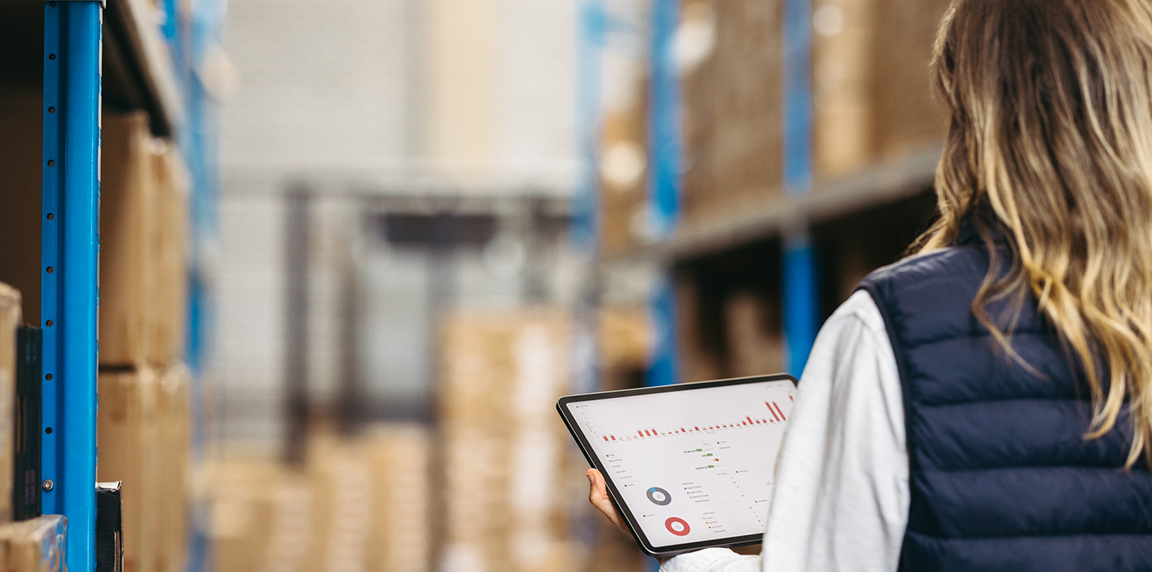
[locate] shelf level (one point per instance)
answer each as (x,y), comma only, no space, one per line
(882,183)
(138,71)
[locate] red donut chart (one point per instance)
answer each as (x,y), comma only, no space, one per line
(677,526)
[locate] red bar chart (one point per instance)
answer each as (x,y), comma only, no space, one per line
(775,415)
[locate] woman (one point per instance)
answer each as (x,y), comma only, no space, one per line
(987,403)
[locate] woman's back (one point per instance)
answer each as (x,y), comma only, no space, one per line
(1000,475)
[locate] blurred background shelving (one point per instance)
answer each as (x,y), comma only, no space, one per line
(367,243)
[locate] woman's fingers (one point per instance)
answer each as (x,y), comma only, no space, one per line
(598,496)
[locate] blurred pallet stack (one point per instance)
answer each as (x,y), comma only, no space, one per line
(361,503)
(143,428)
(509,476)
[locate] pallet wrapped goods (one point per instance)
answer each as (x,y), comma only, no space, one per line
(35,545)
(505,454)
(10,319)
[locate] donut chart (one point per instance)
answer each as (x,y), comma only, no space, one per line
(677,526)
(659,496)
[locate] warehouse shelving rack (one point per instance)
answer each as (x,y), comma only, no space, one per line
(789,216)
(95,52)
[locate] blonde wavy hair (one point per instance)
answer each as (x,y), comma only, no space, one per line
(1050,148)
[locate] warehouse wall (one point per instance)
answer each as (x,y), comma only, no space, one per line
(324,86)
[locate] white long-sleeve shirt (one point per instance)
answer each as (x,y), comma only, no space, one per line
(841,497)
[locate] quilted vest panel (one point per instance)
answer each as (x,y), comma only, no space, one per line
(1001,475)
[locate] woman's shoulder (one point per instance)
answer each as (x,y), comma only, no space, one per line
(963,266)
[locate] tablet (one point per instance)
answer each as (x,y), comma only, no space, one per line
(688,466)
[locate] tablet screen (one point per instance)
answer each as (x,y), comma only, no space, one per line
(692,466)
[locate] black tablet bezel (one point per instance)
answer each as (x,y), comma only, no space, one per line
(614,493)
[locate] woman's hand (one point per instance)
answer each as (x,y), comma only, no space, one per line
(598,496)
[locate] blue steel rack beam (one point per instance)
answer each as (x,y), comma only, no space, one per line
(69,269)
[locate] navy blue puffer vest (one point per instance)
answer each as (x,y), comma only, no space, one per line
(1001,475)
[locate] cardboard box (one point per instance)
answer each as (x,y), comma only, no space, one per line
(260,515)
(168,299)
(360,503)
(35,545)
(127,210)
(907,113)
(21,149)
(753,333)
(842,75)
(128,441)
(174,433)
(733,111)
(401,505)
(9,323)
(505,454)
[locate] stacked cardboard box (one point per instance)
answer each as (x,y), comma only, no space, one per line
(174,427)
(906,113)
(128,440)
(360,504)
(507,469)
(168,294)
(754,338)
(842,70)
(142,430)
(871,93)
(143,233)
(35,545)
(260,515)
(10,319)
(400,462)
(143,423)
(126,219)
(733,109)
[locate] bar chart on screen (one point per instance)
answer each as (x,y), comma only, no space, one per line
(693,465)
(775,415)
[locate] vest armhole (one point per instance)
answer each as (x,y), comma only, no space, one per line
(873,290)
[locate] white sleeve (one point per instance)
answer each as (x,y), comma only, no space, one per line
(841,497)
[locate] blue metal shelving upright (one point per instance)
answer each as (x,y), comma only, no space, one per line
(800,282)
(69,270)
(664,184)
